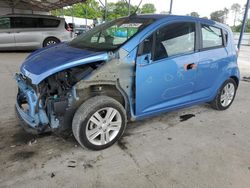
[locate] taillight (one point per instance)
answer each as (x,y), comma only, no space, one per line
(69,29)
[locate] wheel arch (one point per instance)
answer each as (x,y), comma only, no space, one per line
(112,90)
(236,79)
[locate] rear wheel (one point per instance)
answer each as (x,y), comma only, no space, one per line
(99,122)
(50,41)
(225,96)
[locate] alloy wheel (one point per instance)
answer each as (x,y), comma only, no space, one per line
(227,94)
(50,42)
(103,126)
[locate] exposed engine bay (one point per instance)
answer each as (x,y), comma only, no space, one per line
(55,96)
(60,83)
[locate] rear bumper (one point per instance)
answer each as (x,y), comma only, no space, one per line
(33,116)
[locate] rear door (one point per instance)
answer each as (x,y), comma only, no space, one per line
(7,40)
(212,58)
(166,68)
(27,32)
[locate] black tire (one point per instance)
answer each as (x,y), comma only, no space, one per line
(216,103)
(85,112)
(50,41)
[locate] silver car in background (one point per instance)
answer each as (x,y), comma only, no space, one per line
(29,32)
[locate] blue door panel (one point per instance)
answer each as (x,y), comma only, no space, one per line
(164,83)
(212,63)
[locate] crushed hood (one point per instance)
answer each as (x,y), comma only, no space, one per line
(45,62)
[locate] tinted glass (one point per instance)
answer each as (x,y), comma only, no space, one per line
(111,35)
(25,22)
(4,23)
(211,36)
(174,39)
(45,22)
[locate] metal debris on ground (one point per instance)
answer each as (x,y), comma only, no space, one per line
(31,142)
(72,164)
(87,165)
(52,175)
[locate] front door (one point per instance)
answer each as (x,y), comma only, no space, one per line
(166,68)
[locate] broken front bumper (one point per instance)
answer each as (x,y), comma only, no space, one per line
(28,107)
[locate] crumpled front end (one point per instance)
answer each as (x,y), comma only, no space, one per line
(46,98)
(50,105)
(28,106)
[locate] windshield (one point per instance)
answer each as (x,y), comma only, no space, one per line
(111,35)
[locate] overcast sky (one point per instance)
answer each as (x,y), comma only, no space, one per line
(183,7)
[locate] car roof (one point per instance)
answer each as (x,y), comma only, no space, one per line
(150,16)
(169,17)
(32,16)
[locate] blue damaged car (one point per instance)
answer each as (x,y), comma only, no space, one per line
(126,70)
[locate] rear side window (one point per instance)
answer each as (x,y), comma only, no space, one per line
(175,39)
(25,22)
(211,37)
(45,22)
(4,23)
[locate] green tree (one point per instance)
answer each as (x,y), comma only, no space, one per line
(90,9)
(218,16)
(236,9)
(226,12)
(119,9)
(148,8)
(194,14)
(238,27)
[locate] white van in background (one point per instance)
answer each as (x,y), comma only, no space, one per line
(29,32)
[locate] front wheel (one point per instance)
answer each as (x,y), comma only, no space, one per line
(99,122)
(225,96)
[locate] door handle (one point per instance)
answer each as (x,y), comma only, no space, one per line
(190,66)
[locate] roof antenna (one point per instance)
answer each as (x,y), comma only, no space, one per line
(134,13)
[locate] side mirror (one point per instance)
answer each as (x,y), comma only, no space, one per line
(144,59)
(148,58)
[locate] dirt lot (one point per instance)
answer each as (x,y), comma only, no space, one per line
(194,147)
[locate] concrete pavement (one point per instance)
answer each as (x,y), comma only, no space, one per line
(210,149)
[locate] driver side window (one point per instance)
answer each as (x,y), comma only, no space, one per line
(146,46)
(171,40)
